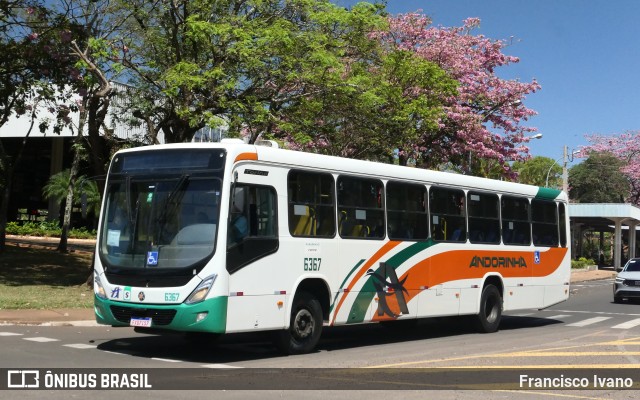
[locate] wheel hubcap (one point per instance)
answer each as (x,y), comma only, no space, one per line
(303,324)
(491,310)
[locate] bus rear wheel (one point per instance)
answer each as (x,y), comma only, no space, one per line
(305,326)
(490,309)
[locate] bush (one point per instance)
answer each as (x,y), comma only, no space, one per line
(47,229)
(582,262)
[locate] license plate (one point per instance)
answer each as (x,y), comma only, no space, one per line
(140,322)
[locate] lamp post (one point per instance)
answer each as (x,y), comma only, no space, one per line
(566,158)
(546,184)
(536,136)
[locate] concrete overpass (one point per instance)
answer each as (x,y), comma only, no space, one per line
(602,218)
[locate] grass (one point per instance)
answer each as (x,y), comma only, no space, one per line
(41,278)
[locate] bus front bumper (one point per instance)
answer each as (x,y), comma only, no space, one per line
(207,316)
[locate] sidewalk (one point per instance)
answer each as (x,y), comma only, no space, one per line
(57,317)
(85,316)
(86,245)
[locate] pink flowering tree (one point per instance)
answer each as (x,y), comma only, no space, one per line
(626,148)
(486,119)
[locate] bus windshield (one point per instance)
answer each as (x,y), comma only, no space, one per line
(159,223)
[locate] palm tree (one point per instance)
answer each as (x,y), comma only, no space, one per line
(58,185)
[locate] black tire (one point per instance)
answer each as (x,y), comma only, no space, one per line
(305,326)
(488,319)
(617,299)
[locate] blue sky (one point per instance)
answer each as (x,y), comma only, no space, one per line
(584,53)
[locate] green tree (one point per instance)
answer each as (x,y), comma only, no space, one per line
(379,112)
(57,189)
(598,180)
(539,171)
(251,63)
(34,45)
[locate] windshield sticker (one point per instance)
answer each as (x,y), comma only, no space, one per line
(113,237)
(126,293)
(152,258)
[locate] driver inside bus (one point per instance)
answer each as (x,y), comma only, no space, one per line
(239,226)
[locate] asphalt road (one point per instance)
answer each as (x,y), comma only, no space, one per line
(580,336)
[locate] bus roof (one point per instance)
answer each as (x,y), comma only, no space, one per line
(278,156)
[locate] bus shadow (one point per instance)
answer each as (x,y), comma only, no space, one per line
(257,346)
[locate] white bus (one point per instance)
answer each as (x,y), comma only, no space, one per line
(225,238)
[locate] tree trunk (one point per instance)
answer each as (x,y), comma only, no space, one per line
(66,222)
(75,167)
(4,206)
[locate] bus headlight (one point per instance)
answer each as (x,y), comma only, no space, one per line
(100,292)
(200,293)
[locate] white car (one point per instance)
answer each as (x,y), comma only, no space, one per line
(627,283)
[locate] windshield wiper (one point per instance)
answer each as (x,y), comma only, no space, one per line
(132,217)
(170,206)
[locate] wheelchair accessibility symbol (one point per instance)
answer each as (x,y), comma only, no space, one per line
(152,258)
(536,257)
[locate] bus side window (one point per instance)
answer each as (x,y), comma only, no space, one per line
(562,218)
(252,229)
(407,216)
(448,214)
(544,223)
(516,228)
(484,217)
(361,208)
(311,204)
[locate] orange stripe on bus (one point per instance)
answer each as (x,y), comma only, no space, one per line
(365,267)
(246,157)
(455,265)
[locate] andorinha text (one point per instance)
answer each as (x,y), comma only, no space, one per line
(498,262)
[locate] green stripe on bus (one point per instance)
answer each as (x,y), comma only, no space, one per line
(365,296)
(545,193)
(344,282)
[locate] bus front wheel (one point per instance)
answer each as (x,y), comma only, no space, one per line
(305,326)
(490,309)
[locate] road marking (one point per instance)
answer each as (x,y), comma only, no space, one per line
(10,334)
(41,339)
(589,321)
(623,342)
(595,312)
(559,316)
(220,366)
(627,325)
(80,346)
(165,360)
(544,366)
(544,353)
(534,353)
(117,353)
